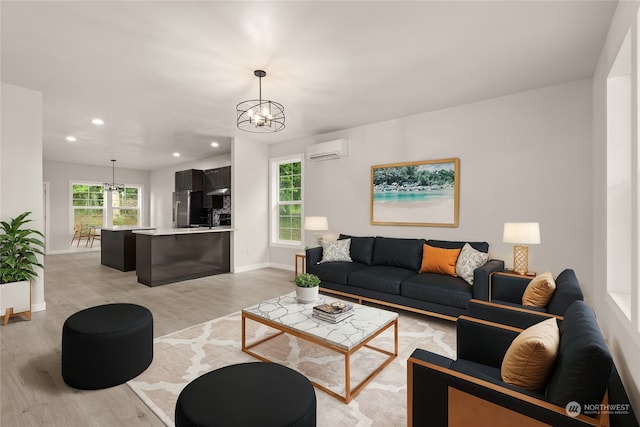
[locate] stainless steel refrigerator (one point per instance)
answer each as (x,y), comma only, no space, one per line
(187,209)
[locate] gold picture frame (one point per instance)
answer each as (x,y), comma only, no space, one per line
(424,193)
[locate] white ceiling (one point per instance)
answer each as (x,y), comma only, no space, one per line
(166,76)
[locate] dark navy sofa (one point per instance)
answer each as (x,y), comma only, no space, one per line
(385,271)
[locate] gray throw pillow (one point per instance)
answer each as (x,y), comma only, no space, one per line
(336,251)
(468,260)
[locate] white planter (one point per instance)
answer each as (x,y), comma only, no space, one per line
(15,295)
(307,295)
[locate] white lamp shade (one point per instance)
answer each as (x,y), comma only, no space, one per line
(316,223)
(527,233)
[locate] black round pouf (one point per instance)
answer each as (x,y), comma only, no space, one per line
(106,345)
(248,394)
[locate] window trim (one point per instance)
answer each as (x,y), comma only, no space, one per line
(107,208)
(274,190)
(70,201)
(139,205)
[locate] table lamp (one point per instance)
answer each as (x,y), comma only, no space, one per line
(316,223)
(522,234)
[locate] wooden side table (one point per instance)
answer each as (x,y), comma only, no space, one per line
(300,257)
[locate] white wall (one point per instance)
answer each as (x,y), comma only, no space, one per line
(250,201)
(163,185)
(621,333)
(21,166)
(61,174)
(523,157)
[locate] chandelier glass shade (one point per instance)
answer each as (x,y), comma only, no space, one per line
(260,115)
(113,186)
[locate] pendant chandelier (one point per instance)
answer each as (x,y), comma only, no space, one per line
(260,115)
(113,186)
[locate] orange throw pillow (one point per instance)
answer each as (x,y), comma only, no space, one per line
(439,260)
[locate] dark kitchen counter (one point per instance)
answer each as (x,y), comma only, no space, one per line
(118,247)
(172,255)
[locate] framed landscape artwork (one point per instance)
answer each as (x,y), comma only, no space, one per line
(418,193)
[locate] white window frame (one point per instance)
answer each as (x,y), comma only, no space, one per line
(107,208)
(139,205)
(73,208)
(274,216)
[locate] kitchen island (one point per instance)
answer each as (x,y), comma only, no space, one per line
(118,246)
(175,254)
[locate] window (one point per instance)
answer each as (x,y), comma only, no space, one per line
(126,206)
(92,206)
(286,176)
(87,203)
(620,188)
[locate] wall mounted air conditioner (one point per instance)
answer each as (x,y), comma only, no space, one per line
(328,150)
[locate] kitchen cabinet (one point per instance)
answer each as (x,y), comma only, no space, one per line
(190,179)
(218,181)
(215,179)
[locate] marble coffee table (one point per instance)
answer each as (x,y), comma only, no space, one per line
(288,316)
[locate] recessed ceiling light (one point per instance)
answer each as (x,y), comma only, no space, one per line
(215,144)
(71,138)
(176,154)
(97,121)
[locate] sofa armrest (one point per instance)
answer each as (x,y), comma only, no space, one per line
(518,317)
(481,277)
(314,256)
(508,287)
(483,342)
(617,395)
(436,394)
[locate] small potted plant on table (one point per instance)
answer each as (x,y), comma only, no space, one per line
(18,259)
(307,287)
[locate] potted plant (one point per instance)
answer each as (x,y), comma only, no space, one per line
(307,287)
(19,248)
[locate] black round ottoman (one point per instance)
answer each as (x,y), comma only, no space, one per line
(248,394)
(106,345)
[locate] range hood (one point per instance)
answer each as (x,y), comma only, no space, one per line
(219,192)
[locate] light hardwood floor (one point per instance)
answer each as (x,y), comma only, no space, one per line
(32,391)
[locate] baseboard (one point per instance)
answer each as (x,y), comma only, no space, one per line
(41,306)
(281,266)
(244,268)
(71,251)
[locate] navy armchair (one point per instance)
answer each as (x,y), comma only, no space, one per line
(505,305)
(470,391)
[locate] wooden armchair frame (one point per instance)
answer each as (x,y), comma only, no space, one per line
(469,400)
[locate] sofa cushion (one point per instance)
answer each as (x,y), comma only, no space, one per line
(380,278)
(437,288)
(403,253)
(448,244)
(336,272)
(584,362)
(477,370)
(361,248)
(529,359)
(514,304)
(468,260)
(539,290)
(439,260)
(336,251)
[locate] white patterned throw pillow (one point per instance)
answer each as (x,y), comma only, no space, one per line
(468,260)
(336,251)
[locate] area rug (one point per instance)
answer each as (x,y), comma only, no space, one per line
(183,356)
